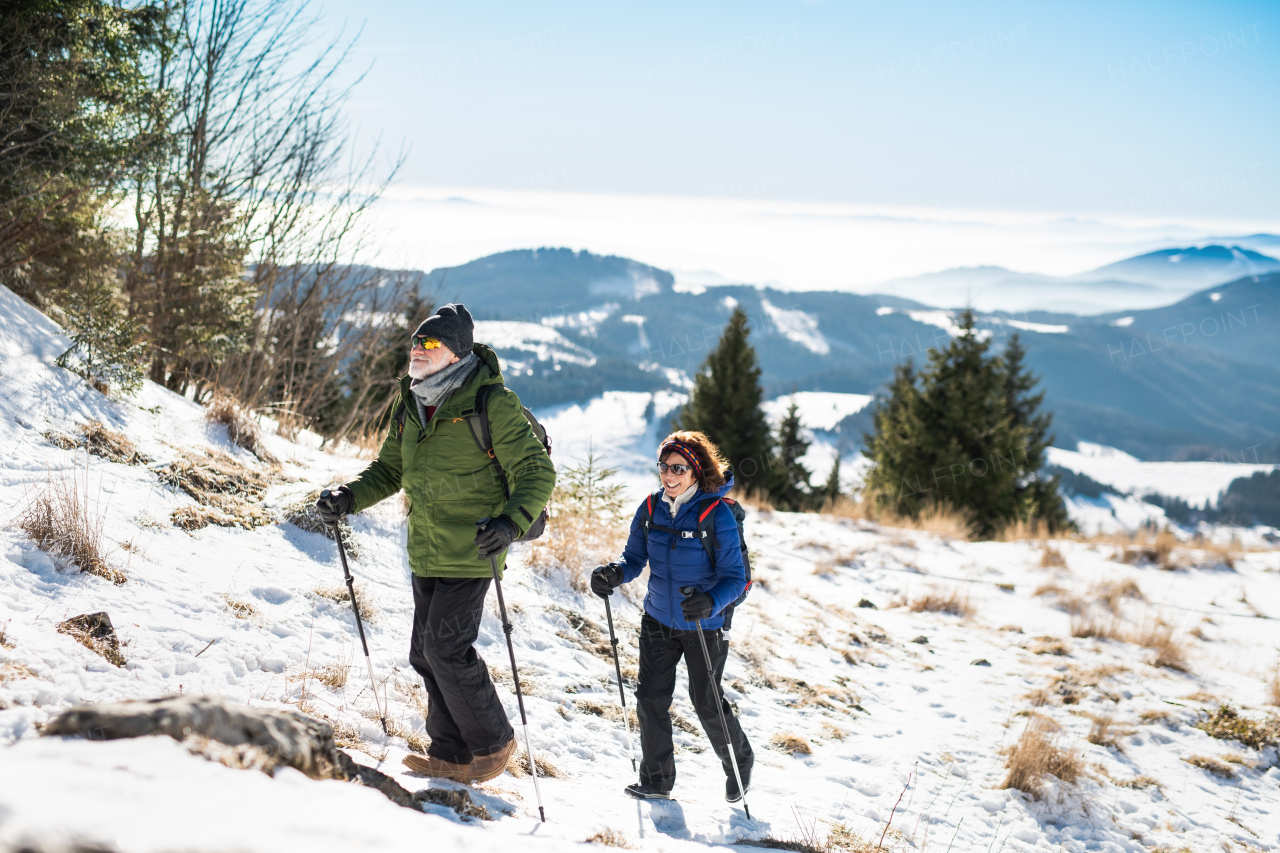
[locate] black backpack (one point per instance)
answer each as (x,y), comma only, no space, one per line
(478,420)
(706,533)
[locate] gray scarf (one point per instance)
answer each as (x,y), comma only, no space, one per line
(680,499)
(436,388)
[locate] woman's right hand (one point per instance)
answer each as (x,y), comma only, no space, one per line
(605,578)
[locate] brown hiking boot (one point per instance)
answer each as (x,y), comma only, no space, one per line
(437,768)
(485,767)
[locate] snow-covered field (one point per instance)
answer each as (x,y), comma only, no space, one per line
(888,712)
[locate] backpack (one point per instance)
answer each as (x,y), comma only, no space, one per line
(478,420)
(706,533)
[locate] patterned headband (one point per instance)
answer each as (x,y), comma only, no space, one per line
(684,450)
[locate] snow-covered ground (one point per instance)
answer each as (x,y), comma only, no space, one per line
(889,713)
(1194,482)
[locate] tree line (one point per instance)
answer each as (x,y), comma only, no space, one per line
(179,189)
(964,433)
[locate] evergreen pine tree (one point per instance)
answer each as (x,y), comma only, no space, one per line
(831,489)
(1039,496)
(960,435)
(788,479)
(725,404)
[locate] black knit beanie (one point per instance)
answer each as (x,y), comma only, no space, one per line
(452,326)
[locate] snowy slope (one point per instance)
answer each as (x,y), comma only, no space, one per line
(882,714)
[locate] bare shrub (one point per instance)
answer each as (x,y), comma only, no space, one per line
(790,743)
(60,521)
(242,429)
(940,600)
(1215,766)
(229,493)
(610,838)
(1037,753)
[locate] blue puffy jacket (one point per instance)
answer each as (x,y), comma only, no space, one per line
(675,561)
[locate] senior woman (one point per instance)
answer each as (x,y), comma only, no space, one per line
(694,475)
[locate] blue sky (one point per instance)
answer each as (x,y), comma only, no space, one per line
(1168,110)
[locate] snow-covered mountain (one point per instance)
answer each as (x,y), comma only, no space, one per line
(874,712)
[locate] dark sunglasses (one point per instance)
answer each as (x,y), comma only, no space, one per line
(425,342)
(678,470)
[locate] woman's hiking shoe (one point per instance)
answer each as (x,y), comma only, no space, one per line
(644,791)
(485,767)
(436,768)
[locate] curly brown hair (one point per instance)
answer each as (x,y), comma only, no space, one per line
(713,464)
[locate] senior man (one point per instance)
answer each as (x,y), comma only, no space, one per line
(466,506)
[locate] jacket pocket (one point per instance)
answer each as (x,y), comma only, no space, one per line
(451,534)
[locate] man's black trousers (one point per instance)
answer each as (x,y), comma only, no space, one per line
(464,716)
(660,651)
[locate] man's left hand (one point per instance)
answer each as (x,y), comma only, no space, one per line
(495,535)
(697,606)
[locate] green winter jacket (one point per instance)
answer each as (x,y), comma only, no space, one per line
(450,483)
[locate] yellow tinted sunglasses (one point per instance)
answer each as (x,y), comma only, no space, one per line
(425,342)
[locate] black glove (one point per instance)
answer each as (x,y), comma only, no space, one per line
(698,605)
(495,535)
(605,578)
(334,504)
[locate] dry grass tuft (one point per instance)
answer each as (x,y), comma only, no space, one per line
(228,493)
(242,429)
(1158,716)
(1049,646)
(62,524)
(824,568)
(458,799)
(333,675)
(1139,782)
(95,632)
(1051,557)
(1156,551)
(1105,732)
(1096,626)
(100,441)
(1273,687)
(5,642)
(302,514)
(937,519)
(789,743)
(1226,723)
(1214,765)
(1111,594)
(240,608)
(518,766)
(14,671)
(1171,653)
(340,595)
(1037,753)
(610,838)
(940,600)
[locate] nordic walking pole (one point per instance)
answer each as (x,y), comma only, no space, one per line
(622,694)
(351,590)
(515,676)
(715,692)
